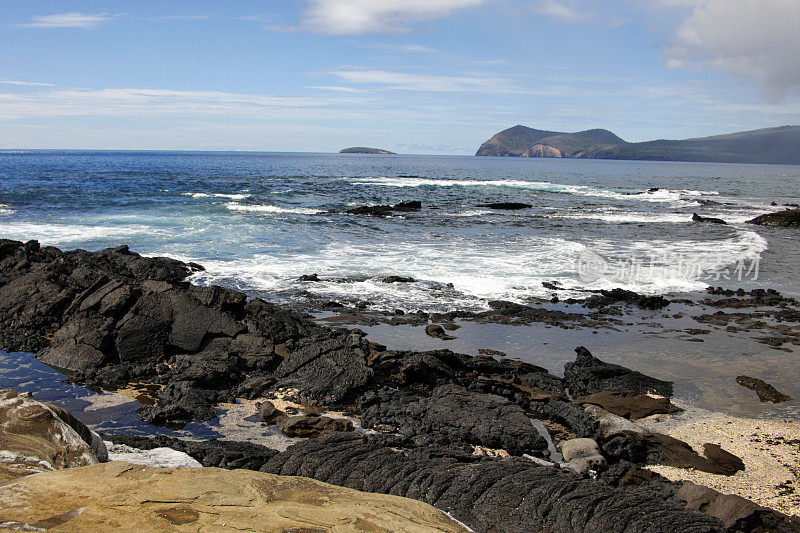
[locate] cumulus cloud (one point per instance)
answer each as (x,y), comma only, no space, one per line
(67,20)
(753,39)
(354,17)
(560,12)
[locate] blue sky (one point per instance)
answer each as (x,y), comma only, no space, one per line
(413,76)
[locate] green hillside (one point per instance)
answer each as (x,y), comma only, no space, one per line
(513,141)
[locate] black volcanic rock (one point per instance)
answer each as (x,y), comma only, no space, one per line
(589,375)
(614,296)
(383,211)
(789,218)
(452,415)
(712,220)
(489,495)
(507,206)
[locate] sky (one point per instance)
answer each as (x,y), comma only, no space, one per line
(411,76)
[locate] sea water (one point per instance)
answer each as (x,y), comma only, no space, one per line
(257,221)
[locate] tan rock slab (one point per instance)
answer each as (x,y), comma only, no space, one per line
(118,496)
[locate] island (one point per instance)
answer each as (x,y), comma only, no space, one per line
(780,145)
(365,150)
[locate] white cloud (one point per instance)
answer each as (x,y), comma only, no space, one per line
(67,20)
(753,39)
(27,83)
(337,88)
(429,83)
(354,17)
(560,12)
(168,18)
(158,102)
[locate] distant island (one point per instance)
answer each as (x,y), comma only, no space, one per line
(364,150)
(770,145)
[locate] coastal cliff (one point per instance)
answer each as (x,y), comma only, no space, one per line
(770,145)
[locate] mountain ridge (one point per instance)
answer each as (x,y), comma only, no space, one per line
(777,145)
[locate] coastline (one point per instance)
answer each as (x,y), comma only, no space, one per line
(408,398)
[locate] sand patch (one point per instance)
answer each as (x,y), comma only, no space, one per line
(770,450)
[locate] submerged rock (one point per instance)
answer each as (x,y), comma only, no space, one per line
(435,330)
(765,391)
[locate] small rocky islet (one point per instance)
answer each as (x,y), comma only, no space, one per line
(450,430)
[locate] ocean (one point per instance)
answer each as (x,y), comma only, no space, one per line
(258,221)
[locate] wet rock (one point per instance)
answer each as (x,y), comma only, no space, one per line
(493,353)
(452,415)
(589,375)
(398,279)
(765,391)
(790,218)
(269,414)
(508,206)
(308,426)
(435,330)
(413,205)
(35,438)
(712,220)
(119,495)
(385,210)
(309,277)
(552,285)
(614,296)
(631,407)
(531,314)
(372,211)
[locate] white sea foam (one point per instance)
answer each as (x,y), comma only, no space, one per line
(513,269)
(68,233)
(5,209)
(237,196)
(617,217)
(682,196)
(272,209)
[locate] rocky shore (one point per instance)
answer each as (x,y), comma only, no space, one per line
(448,429)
